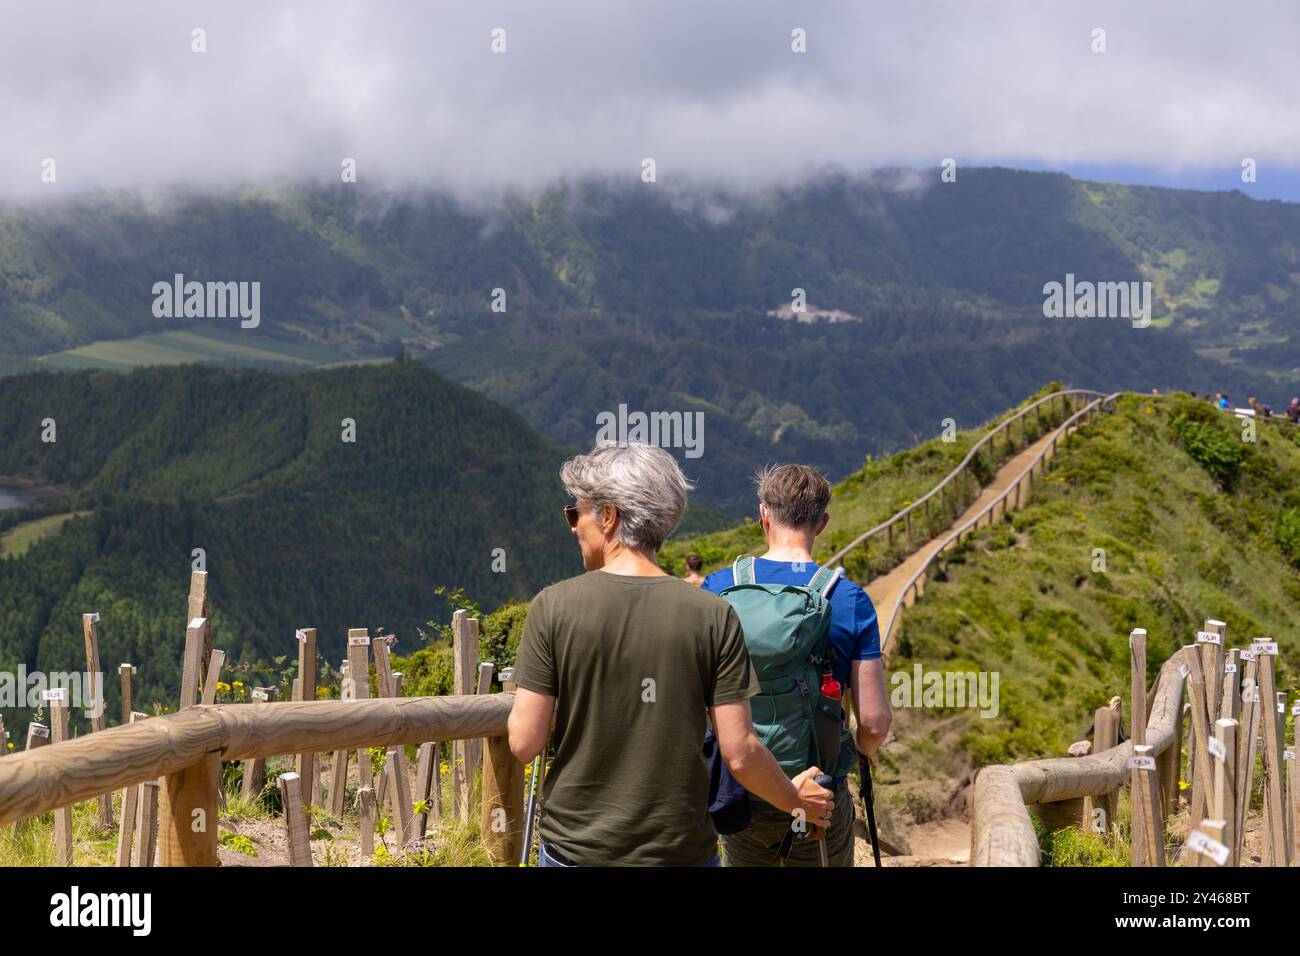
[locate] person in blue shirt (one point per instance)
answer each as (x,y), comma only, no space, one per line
(792,502)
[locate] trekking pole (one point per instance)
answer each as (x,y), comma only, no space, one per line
(531,812)
(864,769)
(824,781)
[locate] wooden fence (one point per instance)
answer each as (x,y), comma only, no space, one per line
(956,487)
(169,768)
(1233,715)
(915,585)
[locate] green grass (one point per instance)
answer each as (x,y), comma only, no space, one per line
(1021,598)
(16,541)
(203,345)
(870,495)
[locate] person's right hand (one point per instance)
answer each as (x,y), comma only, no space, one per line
(816,802)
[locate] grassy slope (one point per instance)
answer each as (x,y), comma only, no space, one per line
(1021,597)
(864,499)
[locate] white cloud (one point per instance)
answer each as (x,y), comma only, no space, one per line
(710,90)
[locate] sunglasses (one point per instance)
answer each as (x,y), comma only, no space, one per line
(571,515)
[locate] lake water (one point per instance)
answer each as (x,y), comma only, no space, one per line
(13,496)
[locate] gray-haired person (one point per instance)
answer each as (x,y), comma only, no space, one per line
(631,663)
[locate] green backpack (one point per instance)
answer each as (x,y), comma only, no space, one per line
(787,632)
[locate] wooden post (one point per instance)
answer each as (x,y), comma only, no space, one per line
(1247,738)
(38,735)
(197,606)
(188,812)
(307,762)
(1211,641)
(125,671)
(1265,651)
(387,682)
(1223,806)
(96,692)
(1230,702)
(1105,734)
(1202,784)
(255,770)
(295,819)
(146,837)
(425,761)
(130,809)
(1145,789)
(465,660)
(503,801)
(1137,644)
(359,675)
(193,666)
(1207,840)
(339,766)
(401,799)
(213,676)
(63,815)
(1292,758)
(483,685)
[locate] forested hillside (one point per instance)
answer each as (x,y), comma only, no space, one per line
(642,293)
(298,527)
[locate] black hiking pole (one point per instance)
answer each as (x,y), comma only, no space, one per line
(531,812)
(824,781)
(864,770)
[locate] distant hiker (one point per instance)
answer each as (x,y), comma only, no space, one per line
(1293,411)
(631,663)
(693,564)
(1224,402)
(792,510)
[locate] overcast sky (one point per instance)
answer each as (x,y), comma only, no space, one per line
(709,88)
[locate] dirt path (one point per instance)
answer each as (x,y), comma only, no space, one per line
(884,590)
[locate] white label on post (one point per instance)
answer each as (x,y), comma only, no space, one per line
(1208,637)
(1281,708)
(58,693)
(1286,754)
(1142,763)
(1229,668)
(1206,845)
(358,642)
(1247,655)
(302,638)
(94,617)
(197,622)
(260,695)
(1295,709)
(1265,647)
(40,731)
(1217,749)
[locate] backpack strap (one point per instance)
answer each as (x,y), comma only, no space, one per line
(743,569)
(824,581)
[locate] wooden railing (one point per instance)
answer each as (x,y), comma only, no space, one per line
(916,584)
(186,750)
(1235,714)
(949,485)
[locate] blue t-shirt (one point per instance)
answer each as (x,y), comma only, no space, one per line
(855,632)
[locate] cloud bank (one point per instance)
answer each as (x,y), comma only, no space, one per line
(414,92)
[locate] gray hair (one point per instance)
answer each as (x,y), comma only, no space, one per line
(642,481)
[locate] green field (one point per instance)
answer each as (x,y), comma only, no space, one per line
(181,347)
(18,539)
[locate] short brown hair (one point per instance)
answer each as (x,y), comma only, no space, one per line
(694,562)
(796,495)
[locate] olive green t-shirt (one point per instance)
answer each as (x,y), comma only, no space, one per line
(634,664)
